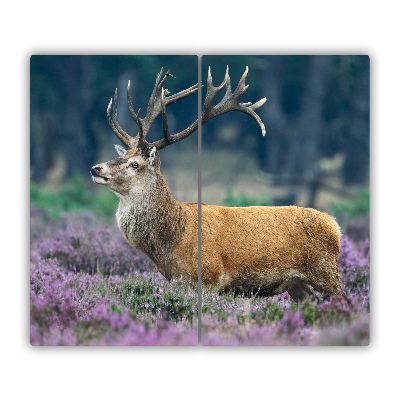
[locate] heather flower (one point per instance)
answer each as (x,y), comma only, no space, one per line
(354,333)
(354,270)
(89,287)
(84,245)
(161,334)
(75,308)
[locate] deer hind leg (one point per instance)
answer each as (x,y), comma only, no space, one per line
(298,287)
(326,278)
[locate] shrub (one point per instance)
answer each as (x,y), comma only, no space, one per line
(73,196)
(69,308)
(354,264)
(88,286)
(245,201)
(354,207)
(81,242)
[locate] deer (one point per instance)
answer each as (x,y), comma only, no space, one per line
(267,250)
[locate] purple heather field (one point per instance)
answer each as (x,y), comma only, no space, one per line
(89,287)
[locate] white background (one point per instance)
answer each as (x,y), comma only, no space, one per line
(204,27)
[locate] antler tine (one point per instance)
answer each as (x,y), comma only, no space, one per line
(114,117)
(241,88)
(156,89)
(227,81)
(211,87)
(167,136)
(134,116)
(126,139)
(154,106)
(181,95)
(212,91)
(250,111)
(160,144)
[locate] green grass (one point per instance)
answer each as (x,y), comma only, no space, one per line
(73,196)
(355,207)
(151,296)
(243,200)
(265,310)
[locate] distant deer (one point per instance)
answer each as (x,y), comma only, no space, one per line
(264,250)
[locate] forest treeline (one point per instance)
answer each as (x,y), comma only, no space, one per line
(317,107)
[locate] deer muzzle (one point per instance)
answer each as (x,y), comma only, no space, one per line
(95,172)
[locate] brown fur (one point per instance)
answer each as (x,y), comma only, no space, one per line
(264,250)
(270,250)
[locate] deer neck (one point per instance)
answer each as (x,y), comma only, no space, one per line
(151,219)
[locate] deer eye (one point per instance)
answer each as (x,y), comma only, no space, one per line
(134,165)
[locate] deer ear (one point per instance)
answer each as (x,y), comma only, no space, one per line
(120,150)
(152,155)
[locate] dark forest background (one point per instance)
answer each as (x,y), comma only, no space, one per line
(316,118)
(69,98)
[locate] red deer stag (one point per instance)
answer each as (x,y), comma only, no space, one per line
(268,250)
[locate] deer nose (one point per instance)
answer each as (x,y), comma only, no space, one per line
(95,170)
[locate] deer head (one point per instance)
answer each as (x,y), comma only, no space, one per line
(138,162)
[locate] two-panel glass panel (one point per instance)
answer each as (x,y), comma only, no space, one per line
(283,187)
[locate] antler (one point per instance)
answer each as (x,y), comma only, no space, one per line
(230,102)
(153,110)
(126,139)
(158,103)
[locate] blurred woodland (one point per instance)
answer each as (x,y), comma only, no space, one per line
(69,98)
(317,126)
(316,117)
